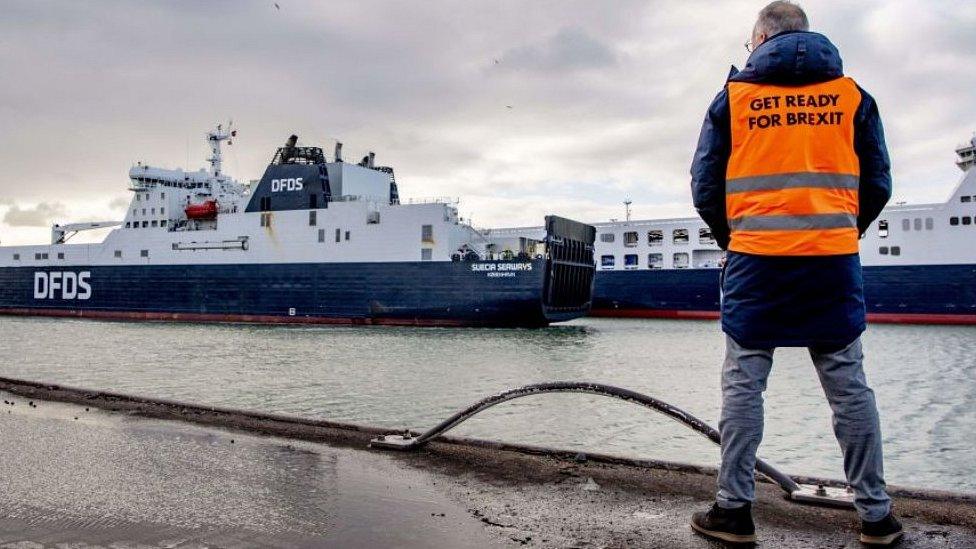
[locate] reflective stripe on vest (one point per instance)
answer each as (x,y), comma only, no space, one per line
(792,177)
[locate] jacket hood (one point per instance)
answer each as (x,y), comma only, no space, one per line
(792,58)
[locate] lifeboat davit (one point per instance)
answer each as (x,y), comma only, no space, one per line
(204,211)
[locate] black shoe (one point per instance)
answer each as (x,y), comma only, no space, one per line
(731,525)
(883,532)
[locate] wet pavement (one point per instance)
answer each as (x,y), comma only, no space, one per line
(72,476)
(92,478)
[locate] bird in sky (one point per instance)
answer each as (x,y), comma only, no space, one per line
(277,7)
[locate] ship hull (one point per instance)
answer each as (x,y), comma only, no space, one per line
(915,294)
(496,294)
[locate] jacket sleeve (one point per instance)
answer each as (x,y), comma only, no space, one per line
(872,153)
(708,168)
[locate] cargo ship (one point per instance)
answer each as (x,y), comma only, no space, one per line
(919,262)
(315,240)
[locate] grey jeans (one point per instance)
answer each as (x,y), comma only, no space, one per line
(856,424)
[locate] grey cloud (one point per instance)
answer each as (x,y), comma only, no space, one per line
(608,97)
(568,49)
(38,216)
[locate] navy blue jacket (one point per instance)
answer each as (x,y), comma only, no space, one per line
(790,301)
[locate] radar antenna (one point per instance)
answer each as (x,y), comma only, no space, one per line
(214,138)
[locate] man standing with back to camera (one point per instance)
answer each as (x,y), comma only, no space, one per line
(791,168)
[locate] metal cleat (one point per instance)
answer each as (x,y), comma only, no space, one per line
(823,495)
(404,441)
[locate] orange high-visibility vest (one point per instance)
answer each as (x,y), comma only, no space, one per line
(792,177)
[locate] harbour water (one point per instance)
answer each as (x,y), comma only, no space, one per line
(924,378)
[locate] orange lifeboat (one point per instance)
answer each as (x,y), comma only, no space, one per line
(204,211)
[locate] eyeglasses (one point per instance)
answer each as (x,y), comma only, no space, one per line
(749,46)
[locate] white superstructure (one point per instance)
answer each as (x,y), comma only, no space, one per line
(940,233)
(363,221)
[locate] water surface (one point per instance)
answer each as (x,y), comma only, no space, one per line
(924,378)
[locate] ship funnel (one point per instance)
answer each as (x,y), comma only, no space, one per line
(372,158)
(338,152)
(292,141)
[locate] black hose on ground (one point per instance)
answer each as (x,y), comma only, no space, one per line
(408,442)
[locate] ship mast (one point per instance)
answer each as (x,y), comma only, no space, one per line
(215,137)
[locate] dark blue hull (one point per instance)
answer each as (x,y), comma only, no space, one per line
(409,293)
(944,294)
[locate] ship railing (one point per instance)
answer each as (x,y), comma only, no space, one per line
(433,200)
(359,198)
(184,225)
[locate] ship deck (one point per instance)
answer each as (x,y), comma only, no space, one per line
(89,468)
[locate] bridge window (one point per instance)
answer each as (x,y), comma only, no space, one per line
(953,221)
(883,250)
(655,238)
(426,233)
(705,236)
(630,239)
(918,223)
(338,235)
(606,261)
(966,198)
(143,253)
(607,237)
(347,235)
(966,220)
(37,256)
(896,250)
(906,224)
(929,224)
(16,257)
(630,260)
(426,254)
(311,218)
(118,253)
(655,261)
(681,260)
(680,236)
(883,228)
(321,235)
(60,255)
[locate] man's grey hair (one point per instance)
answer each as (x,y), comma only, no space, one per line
(781,16)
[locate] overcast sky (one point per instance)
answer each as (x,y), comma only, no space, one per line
(520,108)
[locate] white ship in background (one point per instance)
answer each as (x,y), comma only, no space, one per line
(919,262)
